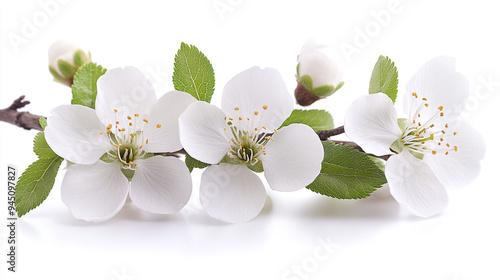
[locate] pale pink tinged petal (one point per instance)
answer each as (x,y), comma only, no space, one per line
(94,192)
(75,133)
(161,185)
(414,185)
(293,159)
(371,122)
(125,89)
(202,135)
(458,168)
(440,83)
(162,128)
(231,193)
(260,95)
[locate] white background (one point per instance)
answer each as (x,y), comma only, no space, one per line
(373,238)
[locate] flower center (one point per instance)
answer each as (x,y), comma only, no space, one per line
(127,140)
(428,136)
(247,138)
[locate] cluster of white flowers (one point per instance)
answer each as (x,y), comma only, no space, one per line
(119,149)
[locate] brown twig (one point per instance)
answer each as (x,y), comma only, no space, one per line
(25,120)
(325,134)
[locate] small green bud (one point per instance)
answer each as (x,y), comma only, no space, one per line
(65,58)
(318,74)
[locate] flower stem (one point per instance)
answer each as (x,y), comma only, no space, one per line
(325,134)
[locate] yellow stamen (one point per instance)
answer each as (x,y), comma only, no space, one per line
(145,120)
(455,148)
(265,107)
(434,152)
(237,108)
(116,111)
(454,133)
(109,126)
(440,108)
(136,115)
(129,117)
(147,141)
(130,124)
(158,125)
(230,119)
(240,118)
(256,113)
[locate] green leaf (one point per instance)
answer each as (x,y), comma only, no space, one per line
(66,68)
(347,173)
(84,86)
(56,75)
(317,119)
(193,73)
(80,58)
(307,82)
(41,148)
(323,91)
(35,184)
(43,122)
(192,163)
(384,78)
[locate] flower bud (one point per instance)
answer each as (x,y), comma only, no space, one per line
(64,59)
(318,75)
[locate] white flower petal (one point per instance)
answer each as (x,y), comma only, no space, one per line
(161,185)
(94,192)
(125,89)
(231,193)
(371,122)
(73,133)
(458,169)
(166,112)
(253,89)
(293,159)
(201,129)
(441,85)
(414,185)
